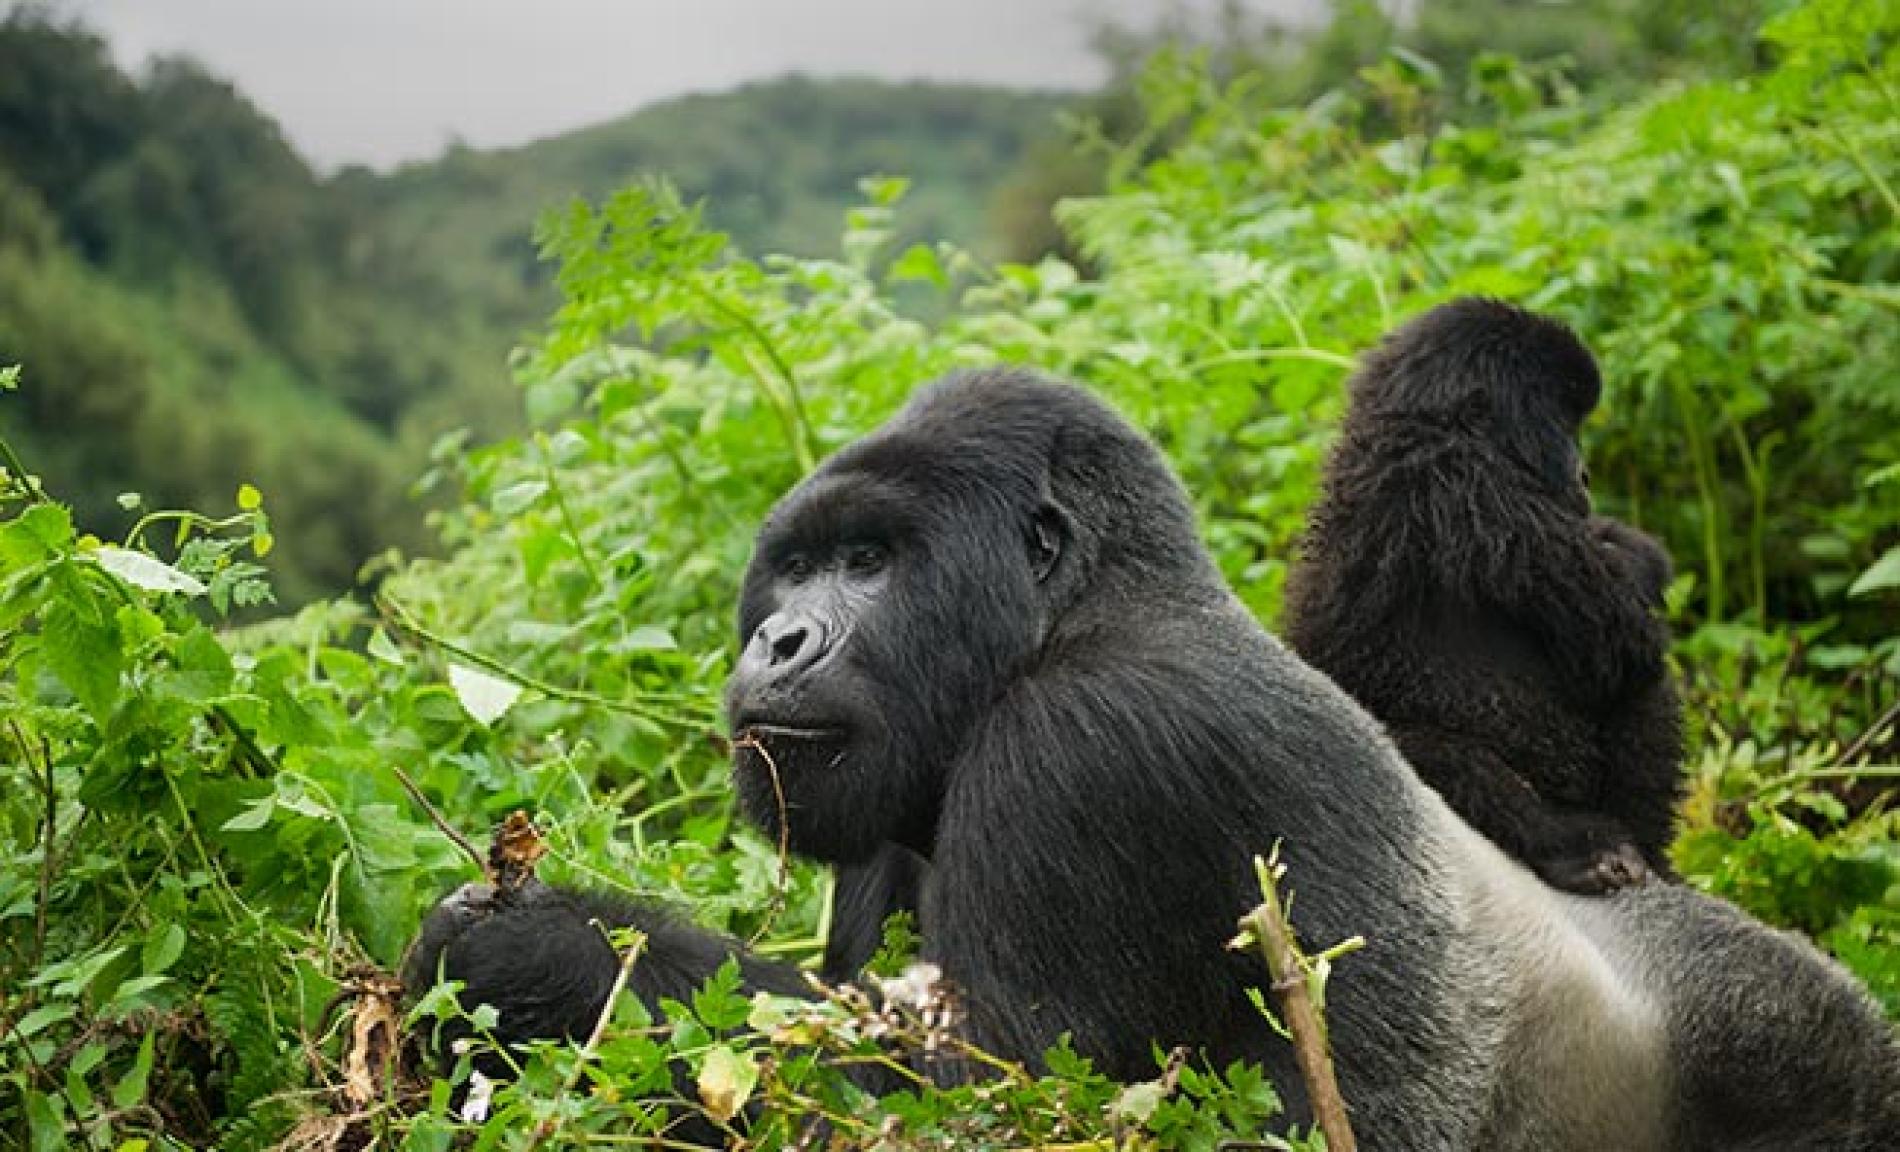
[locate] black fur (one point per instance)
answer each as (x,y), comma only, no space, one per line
(1455,583)
(988,632)
(867,895)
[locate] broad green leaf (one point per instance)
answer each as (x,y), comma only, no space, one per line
(31,1023)
(517,497)
(256,815)
(647,638)
(147,572)
(131,1087)
(383,648)
(726,1081)
(162,949)
(485,697)
(84,653)
(126,995)
(41,532)
(1883,575)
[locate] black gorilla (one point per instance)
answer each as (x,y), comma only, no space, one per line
(988,633)
(544,952)
(866,895)
(1454,581)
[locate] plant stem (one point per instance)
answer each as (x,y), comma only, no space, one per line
(1267,926)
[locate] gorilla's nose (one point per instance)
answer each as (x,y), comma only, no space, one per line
(786,644)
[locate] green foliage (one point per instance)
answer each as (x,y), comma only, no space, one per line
(205,830)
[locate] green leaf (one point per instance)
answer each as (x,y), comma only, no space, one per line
(726,1081)
(41,533)
(31,1023)
(518,497)
(383,648)
(647,638)
(255,816)
(147,572)
(130,1089)
(883,191)
(162,949)
(83,652)
(484,697)
(1883,575)
(126,996)
(46,1121)
(920,262)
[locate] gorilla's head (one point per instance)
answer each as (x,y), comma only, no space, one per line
(896,594)
(1521,380)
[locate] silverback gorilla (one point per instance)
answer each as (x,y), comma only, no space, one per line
(989,633)
(1454,581)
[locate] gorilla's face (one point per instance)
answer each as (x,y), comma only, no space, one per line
(887,605)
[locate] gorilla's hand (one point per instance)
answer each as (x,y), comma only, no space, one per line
(1603,858)
(1639,553)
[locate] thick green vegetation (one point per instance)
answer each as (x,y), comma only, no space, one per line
(205,833)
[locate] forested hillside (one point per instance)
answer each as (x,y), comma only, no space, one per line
(215,842)
(201,308)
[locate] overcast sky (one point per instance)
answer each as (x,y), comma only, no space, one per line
(382,81)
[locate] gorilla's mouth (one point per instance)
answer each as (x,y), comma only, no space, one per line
(760,733)
(792,748)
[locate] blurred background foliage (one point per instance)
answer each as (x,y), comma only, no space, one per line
(203,828)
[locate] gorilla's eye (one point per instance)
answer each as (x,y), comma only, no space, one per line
(866,559)
(797,568)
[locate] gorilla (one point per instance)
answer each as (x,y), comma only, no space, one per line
(989,634)
(865,896)
(1455,583)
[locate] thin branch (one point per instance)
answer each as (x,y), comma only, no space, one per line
(747,740)
(454,834)
(400,617)
(1873,731)
(568,523)
(1266,926)
(51,826)
(549,1126)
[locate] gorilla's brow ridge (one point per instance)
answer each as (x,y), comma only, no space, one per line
(842,506)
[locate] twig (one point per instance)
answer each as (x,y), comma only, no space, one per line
(396,614)
(435,817)
(51,828)
(1873,730)
(1267,927)
(550,1125)
(568,522)
(747,740)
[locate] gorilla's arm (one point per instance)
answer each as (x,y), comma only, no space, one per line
(866,896)
(541,957)
(1647,558)
(1574,849)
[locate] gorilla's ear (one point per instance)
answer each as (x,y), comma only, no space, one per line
(1048,535)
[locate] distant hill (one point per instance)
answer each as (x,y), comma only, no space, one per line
(196,308)
(778,164)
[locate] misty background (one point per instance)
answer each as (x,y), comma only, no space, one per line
(378,83)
